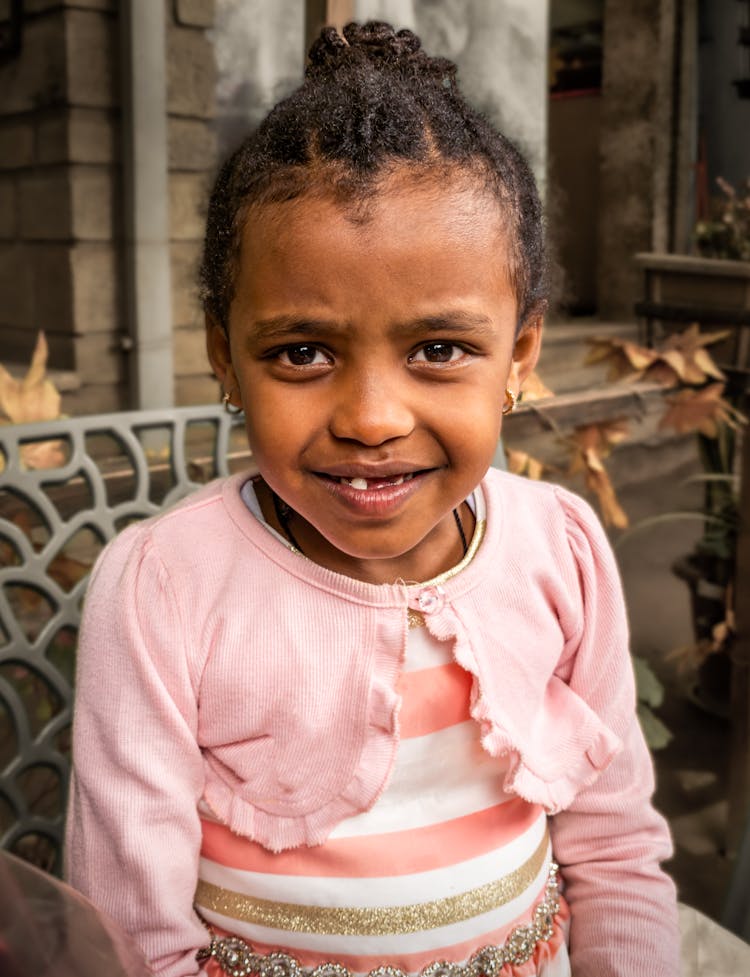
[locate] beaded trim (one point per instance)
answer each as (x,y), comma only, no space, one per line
(238,959)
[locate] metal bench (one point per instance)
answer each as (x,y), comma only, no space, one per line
(103,472)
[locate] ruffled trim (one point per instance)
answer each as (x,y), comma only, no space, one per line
(278,826)
(539,772)
(558,794)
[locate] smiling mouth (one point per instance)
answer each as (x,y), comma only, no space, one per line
(360,484)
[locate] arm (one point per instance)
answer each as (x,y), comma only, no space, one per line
(133,835)
(610,840)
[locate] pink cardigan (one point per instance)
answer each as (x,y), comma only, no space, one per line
(214,663)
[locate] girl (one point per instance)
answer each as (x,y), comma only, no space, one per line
(336,715)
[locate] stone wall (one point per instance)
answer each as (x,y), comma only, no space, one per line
(58,187)
(61,195)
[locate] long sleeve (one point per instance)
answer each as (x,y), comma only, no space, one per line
(610,840)
(133,830)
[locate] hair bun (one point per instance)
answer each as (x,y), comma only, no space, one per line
(375,41)
(381,42)
(326,49)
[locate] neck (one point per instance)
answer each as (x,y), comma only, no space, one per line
(448,541)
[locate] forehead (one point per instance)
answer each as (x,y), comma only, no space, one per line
(409,232)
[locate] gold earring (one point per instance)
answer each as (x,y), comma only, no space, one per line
(229,407)
(510,401)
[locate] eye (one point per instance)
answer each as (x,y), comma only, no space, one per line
(303,354)
(438,353)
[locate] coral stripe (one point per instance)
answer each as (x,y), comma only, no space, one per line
(398,852)
(433,699)
(456,953)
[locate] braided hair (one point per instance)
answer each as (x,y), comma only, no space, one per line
(371,101)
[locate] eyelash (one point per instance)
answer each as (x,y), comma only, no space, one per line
(454,347)
(286,351)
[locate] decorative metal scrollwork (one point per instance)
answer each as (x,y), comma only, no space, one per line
(66,488)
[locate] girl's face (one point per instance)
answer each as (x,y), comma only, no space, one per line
(371,358)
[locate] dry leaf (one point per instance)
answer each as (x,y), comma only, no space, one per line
(33,398)
(697,363)
(599,482)
(681,358)
(591,445)
(534,388)
(627,360)
(522,463)
(701,410)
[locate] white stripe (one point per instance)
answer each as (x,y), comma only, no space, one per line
(382,946)
(468,780)
(388,890)
(425,651)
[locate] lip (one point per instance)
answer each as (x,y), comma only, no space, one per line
(372,470)
(382,501)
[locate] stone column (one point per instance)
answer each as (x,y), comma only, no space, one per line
(632,58)
(191,88)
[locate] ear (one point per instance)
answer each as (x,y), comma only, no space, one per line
(526,351)
(220,355)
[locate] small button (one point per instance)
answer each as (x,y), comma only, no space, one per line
(431,600)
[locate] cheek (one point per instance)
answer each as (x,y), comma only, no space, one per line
(473,425)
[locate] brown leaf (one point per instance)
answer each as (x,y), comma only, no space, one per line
(662,373)
(44,454)
(627,360)
(681,358)
(697,362)
(591,445)
(598,482)
(32,398)
(700,410)
(704,362)
(522,463)
(675,360)
(692,338)
(534,388)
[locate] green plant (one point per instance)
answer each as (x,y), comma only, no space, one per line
(726,233)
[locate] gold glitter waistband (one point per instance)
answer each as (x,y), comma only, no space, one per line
(373,921)
(237,958)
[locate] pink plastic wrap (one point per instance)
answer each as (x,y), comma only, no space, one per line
(48,929)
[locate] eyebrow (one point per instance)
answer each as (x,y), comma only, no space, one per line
(456,321)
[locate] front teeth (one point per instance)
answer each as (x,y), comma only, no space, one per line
(362,485)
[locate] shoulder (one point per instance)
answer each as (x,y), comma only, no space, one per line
(544,509)
(551,539)
(180,536)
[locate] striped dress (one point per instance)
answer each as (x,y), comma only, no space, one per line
(443,865)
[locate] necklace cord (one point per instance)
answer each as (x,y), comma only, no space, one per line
(283,512)
(461,532)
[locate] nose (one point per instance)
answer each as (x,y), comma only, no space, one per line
(371,409)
